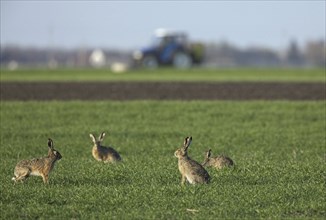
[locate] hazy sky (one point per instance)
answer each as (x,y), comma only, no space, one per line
(130,24)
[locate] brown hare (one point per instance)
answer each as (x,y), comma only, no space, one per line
(37,166)
(218,162)
(190,170)
(102,153)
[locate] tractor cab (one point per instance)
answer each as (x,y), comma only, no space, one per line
(167,48)
(164,38)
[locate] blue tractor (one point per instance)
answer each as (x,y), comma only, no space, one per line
(169,49)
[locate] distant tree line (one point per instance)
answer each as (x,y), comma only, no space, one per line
(217,55)
(226,55)
(54,57)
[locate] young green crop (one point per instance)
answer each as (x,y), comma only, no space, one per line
(278,149)
(196,74)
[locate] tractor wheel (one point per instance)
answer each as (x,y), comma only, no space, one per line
(181,60)
(149,62)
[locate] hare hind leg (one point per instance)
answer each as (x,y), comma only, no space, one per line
(21,175)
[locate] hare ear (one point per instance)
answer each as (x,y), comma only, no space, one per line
(187,143)
(101,136)
(93,138)
(50,143)
(209,153)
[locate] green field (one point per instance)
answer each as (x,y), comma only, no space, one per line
(278,148)
(218,75)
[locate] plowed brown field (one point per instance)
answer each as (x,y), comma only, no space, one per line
(161,91)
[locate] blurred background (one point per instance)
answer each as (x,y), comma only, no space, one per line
(131,34)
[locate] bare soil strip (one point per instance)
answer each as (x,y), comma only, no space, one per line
(161,91)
